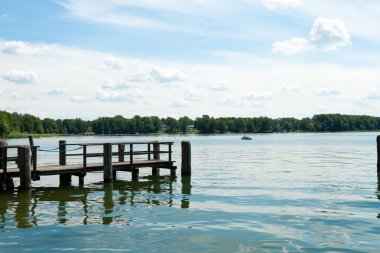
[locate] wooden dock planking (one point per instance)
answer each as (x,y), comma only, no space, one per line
(128,158)
(47,170)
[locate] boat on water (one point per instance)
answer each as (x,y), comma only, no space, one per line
(246,137)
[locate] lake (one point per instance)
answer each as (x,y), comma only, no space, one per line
(301,192)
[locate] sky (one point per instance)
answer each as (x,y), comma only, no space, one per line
(224,58)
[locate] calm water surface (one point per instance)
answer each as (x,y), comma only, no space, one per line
(276,193)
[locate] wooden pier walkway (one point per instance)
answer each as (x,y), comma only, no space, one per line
(94,157)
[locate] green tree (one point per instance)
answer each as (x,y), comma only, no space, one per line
(183,122)
(4,125)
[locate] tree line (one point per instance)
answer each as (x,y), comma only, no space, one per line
(26,123)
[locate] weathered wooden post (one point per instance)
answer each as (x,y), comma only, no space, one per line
(3,164)
(33,158)
(186,158)
(120,153)
(62,152)
(23,154)
(156,156)
(378,153)
(107,162)
(135,172)
(3,155)
(64,179)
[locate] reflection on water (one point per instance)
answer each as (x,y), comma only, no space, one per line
(277,193)
(99,204)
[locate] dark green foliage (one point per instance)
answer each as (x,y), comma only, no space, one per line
(4,124)
(26,123)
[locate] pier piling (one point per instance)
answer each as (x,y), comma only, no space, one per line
(107,162)
(64,179)
(23,154)
(156,156)
(378,153)
(186,158)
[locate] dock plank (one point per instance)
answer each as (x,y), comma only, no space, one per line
(78,168)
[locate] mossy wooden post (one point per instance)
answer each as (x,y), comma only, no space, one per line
(186,158)
(64,179)
(378,153)
(23,154)
(107,162)
(156,156)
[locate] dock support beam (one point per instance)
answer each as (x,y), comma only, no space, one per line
(156,156)
(378,153)
(135,174)
(24,165)
(186,158)
(64,179)
(107,162)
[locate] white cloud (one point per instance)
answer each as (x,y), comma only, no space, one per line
(331,91)
(220,86)
(17,95)
(114,62)
(20,77)
(179,102)
(235,102)
(110,12)
(138,77)
(79,99)
(287,88)
(325,35)
(275,4)
(193,95)
(290,47)
(373,95)
(117,95)
(115,86)
(258,96)
(329,34)
(22,48)
(163,75)
(56,91)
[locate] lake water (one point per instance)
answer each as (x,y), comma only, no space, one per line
(276,193)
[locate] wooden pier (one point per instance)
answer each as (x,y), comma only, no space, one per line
(108,158)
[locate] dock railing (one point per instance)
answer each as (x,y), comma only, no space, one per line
(119,156)
(153,151)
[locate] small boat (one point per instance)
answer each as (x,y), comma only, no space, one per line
(245,137)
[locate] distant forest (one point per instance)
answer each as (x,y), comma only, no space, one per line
(26,123)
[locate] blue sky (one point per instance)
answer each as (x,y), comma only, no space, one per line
(277,58)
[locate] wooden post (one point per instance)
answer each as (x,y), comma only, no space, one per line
(34,163)
(107,162)
(64,179)
(121,149)
(31,142)
(378,153)
(3,155)
(170,152)
(156,156)
(84,156)
(120,152)
(23,154)
(186,158)
(135,174)
(62,152)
